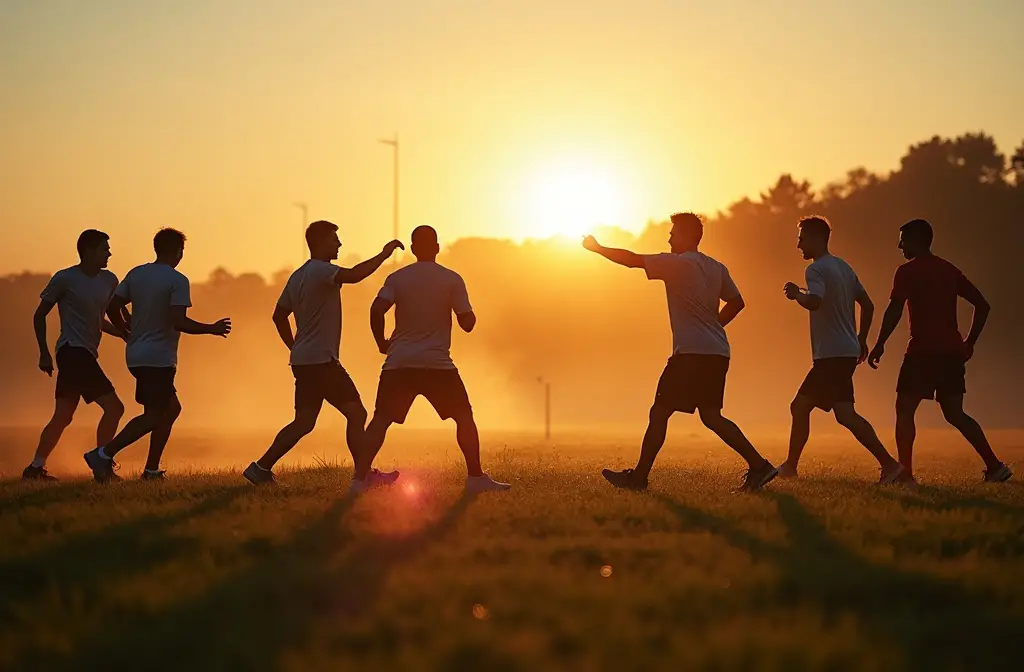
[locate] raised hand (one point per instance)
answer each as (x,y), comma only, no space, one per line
(390,248)
(590,243)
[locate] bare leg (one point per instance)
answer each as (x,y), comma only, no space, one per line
(733,437)
(355,427)
(468,437)
(953,412)
(161,433)
(113,411)
(654,439)
(290,434)
(373,439)
(63,412)
(800,431)
(863,431)
(906,431)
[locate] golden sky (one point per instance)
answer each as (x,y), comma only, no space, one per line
(516,117)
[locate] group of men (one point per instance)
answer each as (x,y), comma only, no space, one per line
(148,310)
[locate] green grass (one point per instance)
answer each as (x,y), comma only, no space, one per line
(204,573)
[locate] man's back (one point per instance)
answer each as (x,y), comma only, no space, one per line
(425,295)
(314,297)
(695,285)
(152,290)
(930,285)
(834,323)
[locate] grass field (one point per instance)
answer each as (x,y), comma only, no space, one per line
(204,573)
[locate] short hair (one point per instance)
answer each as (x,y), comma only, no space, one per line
(319,230)
(688,221)
(424,234)
(168,241)
(89,239)
(920,230)
(817,225)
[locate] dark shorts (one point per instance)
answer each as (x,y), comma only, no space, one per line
(830,382)
(330,382)
(79,375)
(154,386)
(690,382)
(932,376)
(443,388)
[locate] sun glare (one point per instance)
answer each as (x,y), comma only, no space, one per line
(570,199)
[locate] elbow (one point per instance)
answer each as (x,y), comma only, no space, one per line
(738,304)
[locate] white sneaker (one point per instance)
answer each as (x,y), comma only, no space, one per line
(485,483)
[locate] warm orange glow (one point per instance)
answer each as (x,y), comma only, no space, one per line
(570,198)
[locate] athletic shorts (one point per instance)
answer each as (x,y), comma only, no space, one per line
(154,386)
(829,382)
(79,375)
(443,388)
(330,382)
(932,376)
(690,382)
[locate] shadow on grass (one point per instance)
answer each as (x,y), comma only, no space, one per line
(322,577)
(933,498)
(21,495)
(83,562)
(933,623)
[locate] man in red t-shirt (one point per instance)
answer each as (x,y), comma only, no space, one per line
(934,366)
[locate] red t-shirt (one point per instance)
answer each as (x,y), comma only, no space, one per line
(930,286)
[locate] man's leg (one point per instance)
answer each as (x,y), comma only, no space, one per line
(468,438)
(290,434)
(161,433)
(113,411)
(373,439)
(799,432)
(63,412)
(355,427)
(953,411)
(862,430)
(654,439)
(733,437)
(906,430)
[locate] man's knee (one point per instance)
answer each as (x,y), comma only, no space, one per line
(800,407)
(355,413)
(659,414)
(711,417)
(62,416)
(906,408)
(846,416)
(953,413)
(464,418)
(112,406)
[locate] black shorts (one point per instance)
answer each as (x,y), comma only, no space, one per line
(443,388)
(932,376)
(154,386)
(316,383)
(690,382)
(79,375)
(830,382)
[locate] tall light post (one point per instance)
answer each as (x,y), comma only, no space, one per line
(304,207)
(393,142)
(547,407)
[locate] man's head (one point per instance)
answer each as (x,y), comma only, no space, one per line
(169,245)
(424,243)
(322,239)
(813,237)
(916,238)
(687,231)
(94,248)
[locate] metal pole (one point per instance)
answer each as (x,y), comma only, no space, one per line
(547,411)
(394,206)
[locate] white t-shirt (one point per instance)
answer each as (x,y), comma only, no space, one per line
(833,324)
(695,285)
(81,302)
(425,295)
(152,290)
(313,295)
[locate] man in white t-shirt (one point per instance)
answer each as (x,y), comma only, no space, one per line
(694,379)
(81,294)
(313,295)
(419,362)
(159,297)
(837,347)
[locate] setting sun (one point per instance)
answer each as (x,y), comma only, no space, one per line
(571,198)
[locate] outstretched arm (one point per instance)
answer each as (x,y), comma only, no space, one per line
(620,257)
(187,325)
(378,309)
(284,326)
(363,270)
(730,310)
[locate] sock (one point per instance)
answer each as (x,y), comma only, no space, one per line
(102,453)
(152,471)
(39,462)
(260,466)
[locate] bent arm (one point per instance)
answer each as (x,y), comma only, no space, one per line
(730,310)
(378,309)
(467,321)
(185,324)
(284,326)
(361,271)
(808,301)
(973,296)
(117,315)
(39,325)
